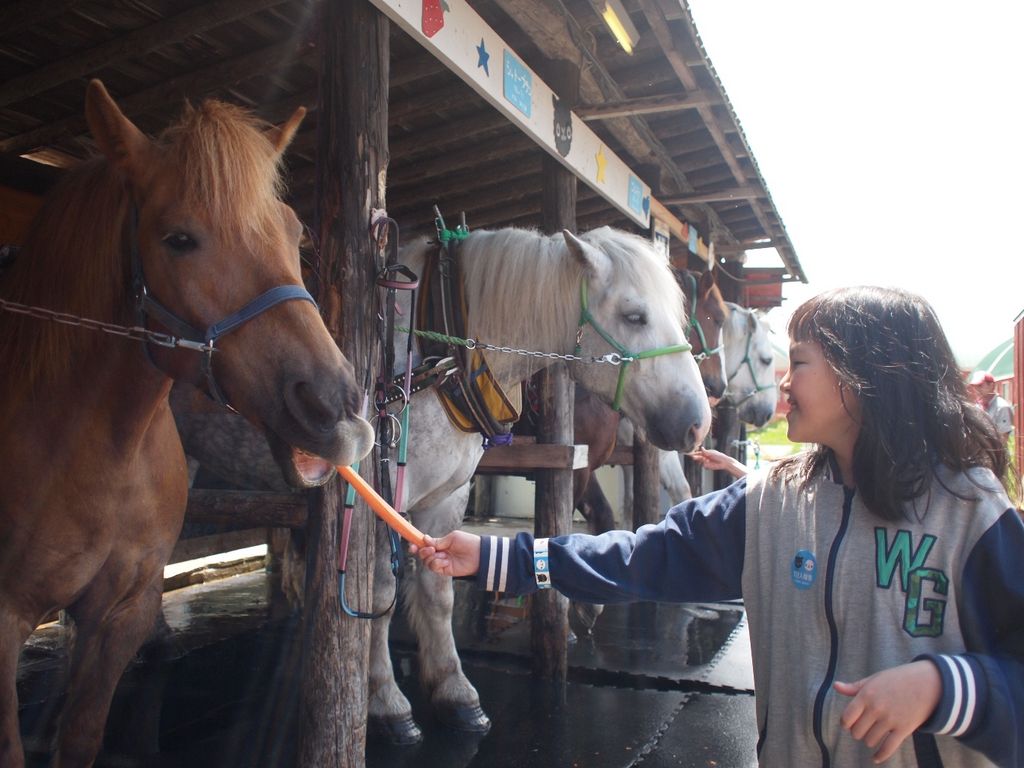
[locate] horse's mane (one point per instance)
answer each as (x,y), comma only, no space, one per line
(76,256)
(524,288)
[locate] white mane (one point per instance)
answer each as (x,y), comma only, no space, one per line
(523,288)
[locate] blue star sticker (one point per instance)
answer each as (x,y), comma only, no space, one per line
(482,57)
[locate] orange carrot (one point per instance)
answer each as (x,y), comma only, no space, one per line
(381,508)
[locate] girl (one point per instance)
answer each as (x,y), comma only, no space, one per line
(877,569)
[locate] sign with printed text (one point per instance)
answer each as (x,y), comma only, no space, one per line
(454,33)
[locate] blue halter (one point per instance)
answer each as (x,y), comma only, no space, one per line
(191,337)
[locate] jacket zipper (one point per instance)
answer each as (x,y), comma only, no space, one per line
(833,555)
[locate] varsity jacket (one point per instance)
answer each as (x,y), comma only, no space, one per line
(832,592)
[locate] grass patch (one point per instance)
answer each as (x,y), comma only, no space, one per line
(772,439)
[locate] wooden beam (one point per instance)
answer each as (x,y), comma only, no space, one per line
(657,13)
(255,509)
(522,458)
(214,544)
(130,45)
(27,13)
(174,90)
(645,105)
(746,192)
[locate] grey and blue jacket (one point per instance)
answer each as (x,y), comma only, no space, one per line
(832,592)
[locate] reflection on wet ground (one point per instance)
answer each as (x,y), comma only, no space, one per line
(654,685)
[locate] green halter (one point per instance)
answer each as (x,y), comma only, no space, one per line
(622,356)
(753,374)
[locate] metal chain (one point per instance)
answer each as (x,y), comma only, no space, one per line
(134,332)
(612,358)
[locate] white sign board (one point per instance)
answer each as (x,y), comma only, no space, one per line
(457,36)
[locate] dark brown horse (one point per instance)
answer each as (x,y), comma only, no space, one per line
(189,228)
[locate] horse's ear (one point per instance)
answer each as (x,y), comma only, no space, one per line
(590,258)
(281,135)
(707,282)
(116,136)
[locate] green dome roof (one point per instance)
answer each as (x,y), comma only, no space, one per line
(998,362)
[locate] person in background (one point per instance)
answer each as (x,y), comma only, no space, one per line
(1000,411)
(879,568)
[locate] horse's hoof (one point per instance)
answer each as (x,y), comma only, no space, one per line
(464,717)
(401,731)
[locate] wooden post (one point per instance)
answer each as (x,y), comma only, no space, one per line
(646,482)
(352,158)
(553,505)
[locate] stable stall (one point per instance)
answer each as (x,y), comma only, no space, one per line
(574,115)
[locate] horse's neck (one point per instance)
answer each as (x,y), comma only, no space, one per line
(112,390)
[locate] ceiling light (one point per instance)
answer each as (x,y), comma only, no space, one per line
(618,21)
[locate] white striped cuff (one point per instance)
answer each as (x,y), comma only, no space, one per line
(496,575)
(959,677)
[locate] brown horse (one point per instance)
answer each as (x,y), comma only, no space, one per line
(187,229)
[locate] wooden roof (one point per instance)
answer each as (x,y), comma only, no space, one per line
(662,109)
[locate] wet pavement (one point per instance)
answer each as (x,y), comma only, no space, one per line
(653,686)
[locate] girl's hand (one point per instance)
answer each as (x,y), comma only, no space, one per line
(715,460)
(457,554)
(890,705)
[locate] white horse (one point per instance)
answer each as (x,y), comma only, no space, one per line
(525,291)
(749,365)
(750,387)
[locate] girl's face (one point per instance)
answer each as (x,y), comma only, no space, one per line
(820,409)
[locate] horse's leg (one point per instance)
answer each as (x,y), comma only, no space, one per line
(106,639)
(429,603)
(673,478)
(599,509)
(389,713)
(583,616)
(14,631)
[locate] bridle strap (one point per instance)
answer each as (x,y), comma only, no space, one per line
(750,367)
(625,356)
(694,324)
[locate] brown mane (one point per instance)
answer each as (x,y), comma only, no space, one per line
(75,258)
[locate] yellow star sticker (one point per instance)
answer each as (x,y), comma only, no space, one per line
(602,162)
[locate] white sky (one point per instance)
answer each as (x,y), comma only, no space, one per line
(889,133)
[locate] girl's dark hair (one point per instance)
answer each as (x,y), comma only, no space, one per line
(887,347)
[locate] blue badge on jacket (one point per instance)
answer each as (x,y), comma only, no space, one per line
(804,570)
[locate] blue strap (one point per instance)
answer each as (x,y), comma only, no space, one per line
(255,307)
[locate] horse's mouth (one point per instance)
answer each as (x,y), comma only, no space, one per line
(301,469)
(311,470)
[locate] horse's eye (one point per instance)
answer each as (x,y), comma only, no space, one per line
(766,361)
(636,318)
(180,242)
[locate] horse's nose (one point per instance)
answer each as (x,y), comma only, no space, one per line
(316,410)
(694,437)
(714,386)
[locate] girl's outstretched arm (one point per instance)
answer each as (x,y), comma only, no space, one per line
(711,459)
(456,554)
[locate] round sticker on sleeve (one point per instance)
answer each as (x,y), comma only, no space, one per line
(804,569)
